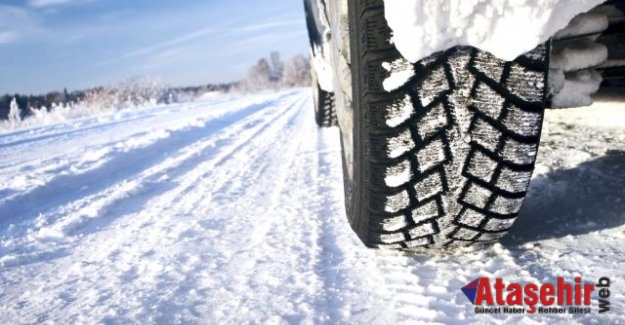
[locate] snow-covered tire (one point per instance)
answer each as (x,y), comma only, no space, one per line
(446,158)
(325,113)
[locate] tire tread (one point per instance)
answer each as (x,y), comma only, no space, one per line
(461,92)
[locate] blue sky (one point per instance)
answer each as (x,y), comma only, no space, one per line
(47,45)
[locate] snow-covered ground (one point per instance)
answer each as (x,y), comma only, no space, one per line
(231,211)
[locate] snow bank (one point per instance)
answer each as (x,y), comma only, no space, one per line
(210,95)
(506,28)
(56,114)
(59,113)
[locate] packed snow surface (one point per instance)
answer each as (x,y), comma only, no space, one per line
(230,210)
(506,28)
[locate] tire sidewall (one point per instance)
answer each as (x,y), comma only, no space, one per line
(351,119)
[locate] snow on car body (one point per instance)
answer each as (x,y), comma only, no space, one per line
(505,28)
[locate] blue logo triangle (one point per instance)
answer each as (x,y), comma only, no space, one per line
(470,290)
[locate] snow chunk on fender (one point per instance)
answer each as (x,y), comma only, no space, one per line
(505,28)
(577,89)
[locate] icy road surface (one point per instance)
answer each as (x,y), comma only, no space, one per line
(231,211)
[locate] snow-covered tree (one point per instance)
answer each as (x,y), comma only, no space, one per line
(274,74)
(277,67)
(258,77)
(129,93)
(296,72)
(15,115)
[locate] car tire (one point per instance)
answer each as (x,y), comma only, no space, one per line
(445,159)
(325,113)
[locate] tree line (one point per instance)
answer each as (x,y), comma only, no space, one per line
(273,73)
(125,94)
(267,73)
(37,101)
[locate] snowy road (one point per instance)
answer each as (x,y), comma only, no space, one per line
(231,211)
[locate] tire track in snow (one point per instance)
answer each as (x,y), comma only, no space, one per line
(161,297)
(133,162)
(137,225)
(267,261)
(250,246)
(354,284)
(60,157)
(209,155)
(87,207)
(330,304)
(111,120)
